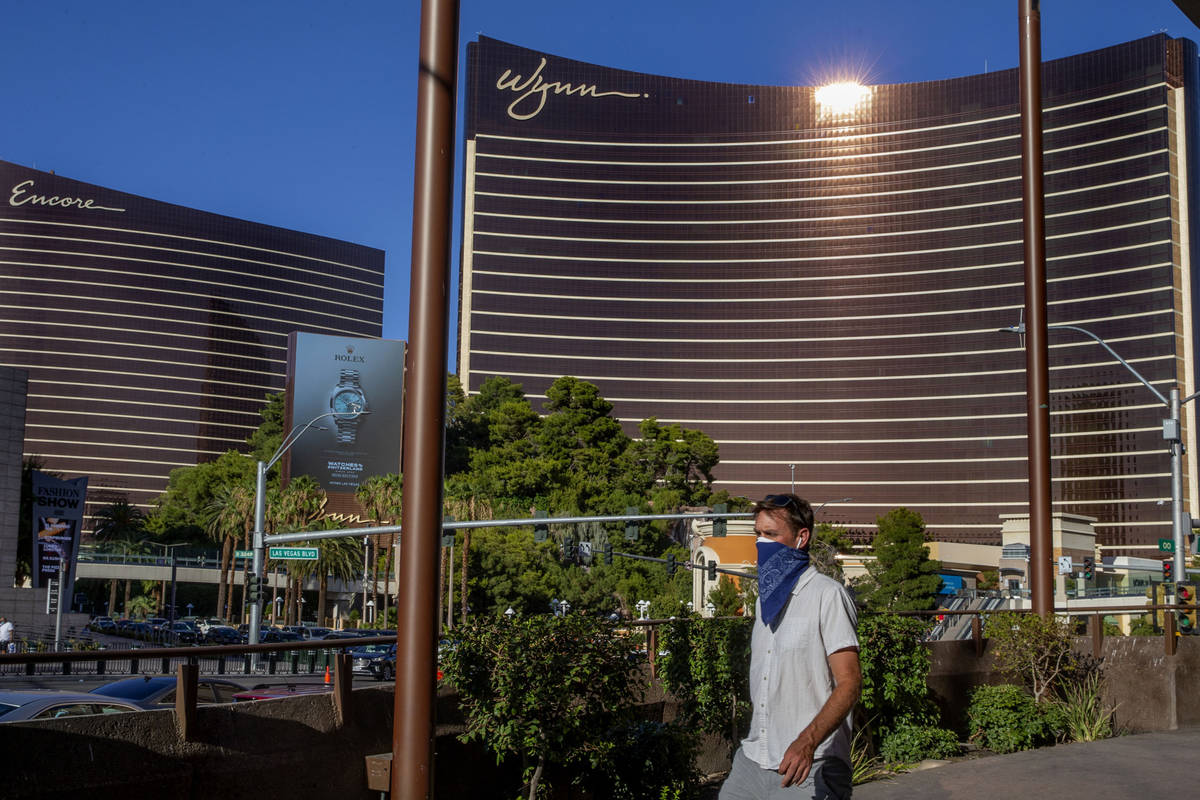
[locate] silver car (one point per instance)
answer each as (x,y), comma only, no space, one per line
(20,706)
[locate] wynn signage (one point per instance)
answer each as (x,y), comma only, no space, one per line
(23,194)
(532,91)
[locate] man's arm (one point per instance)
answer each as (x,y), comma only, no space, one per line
(847,678)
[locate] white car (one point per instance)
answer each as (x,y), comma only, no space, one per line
(21,706)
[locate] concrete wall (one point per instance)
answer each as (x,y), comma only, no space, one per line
(1150,690)
(294,748)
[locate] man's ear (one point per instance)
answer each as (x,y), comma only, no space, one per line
(805,535)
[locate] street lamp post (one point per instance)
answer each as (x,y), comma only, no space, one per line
(1172,435)
(260,505)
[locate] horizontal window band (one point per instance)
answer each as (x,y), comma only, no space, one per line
(161,235)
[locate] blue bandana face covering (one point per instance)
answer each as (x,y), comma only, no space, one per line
(779,567)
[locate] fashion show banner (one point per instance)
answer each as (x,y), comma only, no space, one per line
(352,390)
(57,518)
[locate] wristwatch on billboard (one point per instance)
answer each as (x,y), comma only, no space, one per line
(347,402)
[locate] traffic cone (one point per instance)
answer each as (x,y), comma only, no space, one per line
(328,679)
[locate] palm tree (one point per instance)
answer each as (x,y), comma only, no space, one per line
(467,508)
(338,558)
(295,509)
(382,498)
(123,525)
(225,519)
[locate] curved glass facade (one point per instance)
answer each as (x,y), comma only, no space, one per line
(823,286)
(153,333)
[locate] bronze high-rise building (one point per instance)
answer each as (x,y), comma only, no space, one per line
(817,277)
(152,333)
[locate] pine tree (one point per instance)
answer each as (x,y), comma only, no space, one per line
(904,578)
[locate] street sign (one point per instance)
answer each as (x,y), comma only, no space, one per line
(243,554)
(1166,545)
(1064,565)
(293,553)
(52,596)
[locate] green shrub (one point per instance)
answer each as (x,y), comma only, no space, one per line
(909,743)
(895,669)
(649,760)
(1005,719)
(1085,717)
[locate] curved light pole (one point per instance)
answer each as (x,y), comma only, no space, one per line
(260,507)
(1172,434)
(827,502)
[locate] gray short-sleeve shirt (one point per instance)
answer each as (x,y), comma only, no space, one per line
(790,679)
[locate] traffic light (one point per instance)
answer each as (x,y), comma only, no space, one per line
(631,527)
(1168,568)
(671,565)
(568,549)
(608,553)
(720,524)
(1185,598)
(253,588)
(1089,568)
(540,529)
(712,570)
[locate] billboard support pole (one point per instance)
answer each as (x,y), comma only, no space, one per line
(425,404)
(260,511)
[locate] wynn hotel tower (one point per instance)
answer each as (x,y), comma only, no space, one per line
(818,277)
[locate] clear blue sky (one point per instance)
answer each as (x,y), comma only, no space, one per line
(301,113)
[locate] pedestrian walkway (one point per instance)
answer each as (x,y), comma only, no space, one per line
(1113,769)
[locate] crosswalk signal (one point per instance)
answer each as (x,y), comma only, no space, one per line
(720,524)
(1185,598)
(1168,568)
(540,529)
(1089,568)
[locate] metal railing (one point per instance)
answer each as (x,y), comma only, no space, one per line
(294,658)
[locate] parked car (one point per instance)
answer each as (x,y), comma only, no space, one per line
(317,633)
(204,623)
(223,634)
(363,657)
(158,691)
(384,667)
(274,635)
(183,633)
(20,706)
(140,630)
(103,625)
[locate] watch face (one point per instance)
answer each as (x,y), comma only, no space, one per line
(347,401)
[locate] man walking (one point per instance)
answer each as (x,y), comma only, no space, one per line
(804,671)
(7,645)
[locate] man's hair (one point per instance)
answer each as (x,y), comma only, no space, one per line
(797,510)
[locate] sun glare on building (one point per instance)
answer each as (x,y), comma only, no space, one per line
(843,99)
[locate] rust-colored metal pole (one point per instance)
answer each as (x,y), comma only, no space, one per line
(424,404)
(1037,368)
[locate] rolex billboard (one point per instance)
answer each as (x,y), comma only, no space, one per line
(351,390)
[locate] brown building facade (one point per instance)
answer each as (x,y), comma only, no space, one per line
(822,285)
(152,334)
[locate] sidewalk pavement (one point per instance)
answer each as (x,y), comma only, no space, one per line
(1116,769)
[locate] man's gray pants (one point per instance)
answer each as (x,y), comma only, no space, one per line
(829,779)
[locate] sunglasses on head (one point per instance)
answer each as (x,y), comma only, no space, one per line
(780,500)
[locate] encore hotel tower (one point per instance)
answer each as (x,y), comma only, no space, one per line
(821,283)
(152,334)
